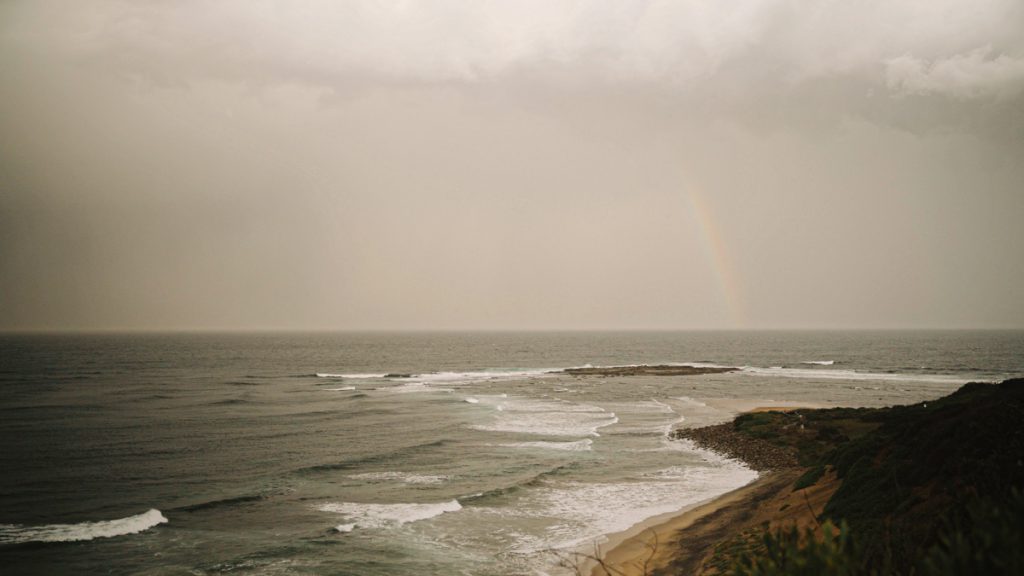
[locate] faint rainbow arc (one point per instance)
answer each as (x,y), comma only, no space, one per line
(717,254)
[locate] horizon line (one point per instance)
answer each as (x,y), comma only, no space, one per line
(282,330)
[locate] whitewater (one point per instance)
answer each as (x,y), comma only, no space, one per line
(399,454)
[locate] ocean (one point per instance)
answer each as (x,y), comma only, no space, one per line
(400,453)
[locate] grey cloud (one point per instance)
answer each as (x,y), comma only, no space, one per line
(974,74)
(680,42)
(503,165)
(751,58)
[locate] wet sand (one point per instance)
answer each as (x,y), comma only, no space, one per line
(631,551)
(684,540)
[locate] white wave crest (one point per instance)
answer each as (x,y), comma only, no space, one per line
(820,362)
(691,401)
(586,511)
(404,477)
(475,376)
(342,389)
(576,446)
(344,528)
(18,534)
(414,388)
(851,375)
(549,423)
(386,515)
(449,377)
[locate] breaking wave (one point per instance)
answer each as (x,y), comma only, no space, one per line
(851,375)
(549,417)
(18,534)
(577,446)
(357,375)
(385,515)
(404,477)
(445,377)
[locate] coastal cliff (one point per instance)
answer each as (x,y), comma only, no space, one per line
(926,489)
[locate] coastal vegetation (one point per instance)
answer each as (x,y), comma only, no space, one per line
(925,489)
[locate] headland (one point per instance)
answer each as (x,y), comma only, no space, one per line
(929,488)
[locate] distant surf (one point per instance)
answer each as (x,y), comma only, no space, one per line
(549,418)
(577,446)
(812,369)
(403,477)
(18,534)
(446,377)
(385,515)
(852,375)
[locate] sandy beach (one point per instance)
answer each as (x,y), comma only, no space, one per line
(649,544)
(686,538)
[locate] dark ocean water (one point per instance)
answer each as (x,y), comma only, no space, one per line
(295,453)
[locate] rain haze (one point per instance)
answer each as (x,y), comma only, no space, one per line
(511,165)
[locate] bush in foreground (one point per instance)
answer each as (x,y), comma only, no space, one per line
(987,540)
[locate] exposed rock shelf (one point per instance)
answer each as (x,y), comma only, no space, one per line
(644,370)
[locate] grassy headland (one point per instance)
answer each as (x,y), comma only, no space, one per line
(925,489)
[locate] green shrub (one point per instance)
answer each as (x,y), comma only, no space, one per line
(810,478)
(792,553)
(988,541)
(985,541)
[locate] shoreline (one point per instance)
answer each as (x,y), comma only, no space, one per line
(629,553)
(884,476)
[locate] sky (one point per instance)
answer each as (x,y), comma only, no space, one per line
(536,164)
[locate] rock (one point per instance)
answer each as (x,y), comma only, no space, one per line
(644,370)
(760,455)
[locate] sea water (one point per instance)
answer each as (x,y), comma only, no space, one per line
(422,453)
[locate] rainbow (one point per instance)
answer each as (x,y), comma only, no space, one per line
(716,252)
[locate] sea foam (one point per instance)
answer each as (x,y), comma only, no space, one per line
(475,376)
(403,477)
(449,377)
(548,418)
(576,446)
(850,375)
(587,511)
(818,373)
(18,534)
(386,515)
(478,376)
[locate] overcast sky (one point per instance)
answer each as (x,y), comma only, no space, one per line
(548,164)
